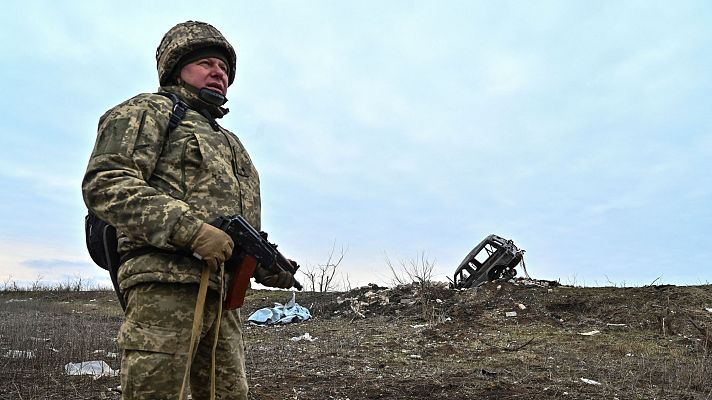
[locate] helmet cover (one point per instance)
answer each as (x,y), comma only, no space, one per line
(186,38)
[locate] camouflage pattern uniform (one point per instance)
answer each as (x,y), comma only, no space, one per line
(157,190)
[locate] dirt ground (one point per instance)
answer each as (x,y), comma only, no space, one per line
(408,342)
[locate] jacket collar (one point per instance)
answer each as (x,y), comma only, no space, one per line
(192,100)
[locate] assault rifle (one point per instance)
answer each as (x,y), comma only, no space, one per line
(251,248)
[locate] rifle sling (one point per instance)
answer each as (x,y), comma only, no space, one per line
(195,331)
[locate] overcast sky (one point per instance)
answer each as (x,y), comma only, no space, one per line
(395,129)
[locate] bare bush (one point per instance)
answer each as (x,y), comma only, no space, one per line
(37,283)
(346,282)
(9,285)
(320,278)
(418,270)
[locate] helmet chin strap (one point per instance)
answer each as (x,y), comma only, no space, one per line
(206,94)
(212,97)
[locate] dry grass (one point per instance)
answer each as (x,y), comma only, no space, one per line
(466,348)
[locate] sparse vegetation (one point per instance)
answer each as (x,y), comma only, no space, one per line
(651,342)
(419,272)
(74,284)
(320,278)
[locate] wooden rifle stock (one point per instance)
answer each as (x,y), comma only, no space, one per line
(240,281)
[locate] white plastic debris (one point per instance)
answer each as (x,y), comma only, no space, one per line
(305,336)
(17,300)
(708,309)
(510,314)
(419,326)
(280,314)
(19,354)
(96,369)
(521,306)
(591,333)
(590,382)
(619,325)
(416,356)
(106,353)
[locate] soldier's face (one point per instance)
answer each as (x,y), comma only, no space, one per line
(206,72)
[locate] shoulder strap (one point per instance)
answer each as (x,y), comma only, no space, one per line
(101,237)
(178,111)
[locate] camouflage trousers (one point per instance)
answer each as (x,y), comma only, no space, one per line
(156,336)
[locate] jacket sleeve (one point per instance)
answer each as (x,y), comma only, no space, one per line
(129,142)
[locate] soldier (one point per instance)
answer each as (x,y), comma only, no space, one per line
(160,189)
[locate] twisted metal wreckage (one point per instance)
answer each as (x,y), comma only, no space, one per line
(494,258)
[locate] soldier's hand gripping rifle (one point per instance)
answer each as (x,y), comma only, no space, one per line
(251,249)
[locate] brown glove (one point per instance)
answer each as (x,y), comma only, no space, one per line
(281,279)
(212,245)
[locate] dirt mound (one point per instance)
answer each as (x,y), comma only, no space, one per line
(414,299)
(668,309)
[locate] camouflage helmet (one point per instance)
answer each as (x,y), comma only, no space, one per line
(184,39)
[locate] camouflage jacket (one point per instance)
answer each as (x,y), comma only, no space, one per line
(157,189)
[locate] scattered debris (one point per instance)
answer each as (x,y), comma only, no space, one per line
(591,333)
(708,309)
(617,325)
(18,300)
(517,348)
(488,373)
(305,336)
(536,282)
(510,314)
(96,369)
(377,296)
(355,306)
(416,356)
(19,354)
(521,306)
(590,382)
(106,353)
(280,314)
